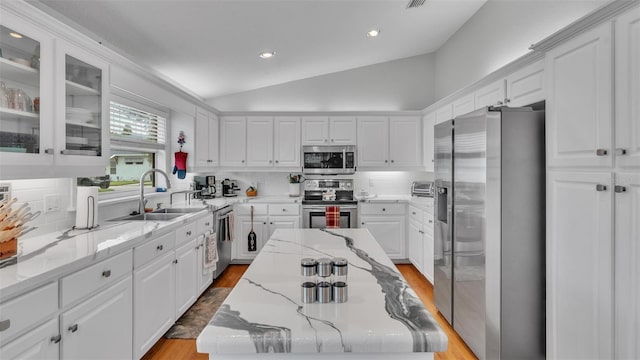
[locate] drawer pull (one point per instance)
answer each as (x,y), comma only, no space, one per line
(56,339)
(5,324)
(283,209)
(189,233)
(413,212)
(430,221)
(601,187)
(383,209)
(621,151)
(620,189)
(73,328)
(207,224)
(175,261)
(106,273)
(601,152)
(159,247)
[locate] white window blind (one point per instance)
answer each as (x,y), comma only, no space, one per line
(131,126)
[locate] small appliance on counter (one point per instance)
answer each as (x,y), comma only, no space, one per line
(422,189)
(229,187)
(207,186)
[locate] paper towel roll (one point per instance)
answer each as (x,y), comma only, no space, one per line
(87,207)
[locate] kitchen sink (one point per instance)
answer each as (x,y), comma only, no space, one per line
(150,217)
(177,210)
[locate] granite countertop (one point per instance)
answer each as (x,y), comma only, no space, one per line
(48,256)
(265,313)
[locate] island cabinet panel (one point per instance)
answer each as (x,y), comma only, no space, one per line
(241,242)
(186,276)
(579,265)
(579,101)
(39,344)
(154,302)
(627,269)
(627,89)
(101,325)
(416,247)
(428,247)
(389,231)
(25,311)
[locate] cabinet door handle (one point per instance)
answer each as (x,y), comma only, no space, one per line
(430,221)
(5,324)
(270,161)
(332,140)
(283,209)
(601,152)
(264,223)
(620,189)
(159,247)
(621,151)
(56,339)
(507,100)
(386,161)
(363,223)
(276,161)
(189,233)
(413,212)
(325,140)
(271,223)
(243,161)
(49,151)
(73,328)
(499,102)
(600,187)
(383,209)
(207,224)
(175,261)
(106,273)
(391,160)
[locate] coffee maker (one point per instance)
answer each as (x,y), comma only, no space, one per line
(229,188)
(206,185)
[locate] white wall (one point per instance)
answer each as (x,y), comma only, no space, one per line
(405,84)
(500,32)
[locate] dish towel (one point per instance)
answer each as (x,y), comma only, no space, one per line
(180,166)
(210,252)
(332,214)
(229,227)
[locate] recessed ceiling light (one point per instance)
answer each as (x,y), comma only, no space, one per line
(267,54)
(15,35)
(373,33)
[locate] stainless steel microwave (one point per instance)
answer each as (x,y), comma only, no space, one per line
(329,160)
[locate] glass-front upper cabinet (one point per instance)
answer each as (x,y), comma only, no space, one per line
(84,108)
(26,101)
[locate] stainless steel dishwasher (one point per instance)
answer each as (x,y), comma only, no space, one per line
(222,228)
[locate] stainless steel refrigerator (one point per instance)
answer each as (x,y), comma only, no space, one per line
(489,279)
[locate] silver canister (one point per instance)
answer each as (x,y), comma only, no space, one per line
(340,269)
(324,292)
(308,271)
(325,268)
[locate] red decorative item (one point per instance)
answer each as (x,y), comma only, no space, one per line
(180,164)
(332,215)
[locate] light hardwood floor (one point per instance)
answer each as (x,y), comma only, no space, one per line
(170,349)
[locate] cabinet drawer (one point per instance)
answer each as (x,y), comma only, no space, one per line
(415,214)
(186,232)
(382,209)
(27,310)
(284,209)
(95,277)
(427,223)
(205,224)
(245,209)
(154,248)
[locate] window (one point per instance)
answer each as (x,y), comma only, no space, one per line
(138,135)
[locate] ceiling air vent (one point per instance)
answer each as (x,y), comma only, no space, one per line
(415,3)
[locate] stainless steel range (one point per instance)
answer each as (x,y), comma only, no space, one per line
(318,194)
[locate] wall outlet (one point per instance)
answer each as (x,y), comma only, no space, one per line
(51,203)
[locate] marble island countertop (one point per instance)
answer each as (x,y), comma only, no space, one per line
(265,314)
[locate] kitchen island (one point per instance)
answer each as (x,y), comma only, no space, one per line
(264,316)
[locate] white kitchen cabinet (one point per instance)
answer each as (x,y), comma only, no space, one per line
(27,134)
(627,89)
(416,248)
(444,113)
(373,141)
(205,278)
(394,142)
(405,141)
(282,222)
(233,141)
(286,141)
(101,326)
(627,253)
(526,86)
(154,302)
(241,243)
(493,94)
(428,138)
(428,247)
(206,137)
(324,130)
(579,100)
(464,105)
(386,222)
(82,111)
(186,265)
(579,265)
(259,141)
(42,343)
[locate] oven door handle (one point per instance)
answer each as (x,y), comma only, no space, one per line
(323,207)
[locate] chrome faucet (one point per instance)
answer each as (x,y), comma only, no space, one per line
(142,201)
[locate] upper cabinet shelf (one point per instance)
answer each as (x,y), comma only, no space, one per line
(75,89)
(11,70)
(10,114)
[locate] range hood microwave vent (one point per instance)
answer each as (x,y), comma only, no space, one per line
(415,3)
